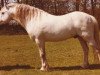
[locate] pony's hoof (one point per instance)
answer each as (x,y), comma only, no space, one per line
(44,69)
(85,66)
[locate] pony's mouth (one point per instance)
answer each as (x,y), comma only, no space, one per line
(2,22)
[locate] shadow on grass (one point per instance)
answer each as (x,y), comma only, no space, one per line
(91,67)
(9,68)
(14,67)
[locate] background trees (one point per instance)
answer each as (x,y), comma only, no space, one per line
(59,7)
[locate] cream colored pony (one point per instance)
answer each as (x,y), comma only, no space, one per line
(42,27)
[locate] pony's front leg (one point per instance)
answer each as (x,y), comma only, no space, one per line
(41,46)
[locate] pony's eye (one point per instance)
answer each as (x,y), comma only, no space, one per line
(2,13)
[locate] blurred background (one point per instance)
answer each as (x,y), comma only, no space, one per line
(56,7)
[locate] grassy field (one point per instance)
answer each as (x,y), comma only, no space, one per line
(19,56)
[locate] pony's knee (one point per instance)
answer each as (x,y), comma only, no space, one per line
(42,54)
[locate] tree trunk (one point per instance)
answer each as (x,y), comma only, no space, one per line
(26,2)
(18,1)
(55,6)
(77,5)
(84,6)
(92,3)
(2,3)
(41,4)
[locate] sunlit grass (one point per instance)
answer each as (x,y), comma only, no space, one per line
(19,56)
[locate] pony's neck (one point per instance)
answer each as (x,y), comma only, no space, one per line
(21,21)
(26,13)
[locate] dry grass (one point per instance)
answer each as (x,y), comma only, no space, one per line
(19,56)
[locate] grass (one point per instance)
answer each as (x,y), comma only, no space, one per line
(19,56)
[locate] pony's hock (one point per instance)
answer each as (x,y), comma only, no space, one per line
(44,27)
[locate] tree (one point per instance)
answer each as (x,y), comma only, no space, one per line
(2,3)
(83,5)
(92,4)
(77,5)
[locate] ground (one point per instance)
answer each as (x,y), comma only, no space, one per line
(19,56)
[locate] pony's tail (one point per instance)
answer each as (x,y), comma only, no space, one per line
(96,37)
(96,32)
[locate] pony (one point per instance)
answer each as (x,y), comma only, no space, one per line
(44,27)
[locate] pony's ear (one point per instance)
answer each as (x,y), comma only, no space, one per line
(9,6)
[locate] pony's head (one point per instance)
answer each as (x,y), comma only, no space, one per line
(6,13)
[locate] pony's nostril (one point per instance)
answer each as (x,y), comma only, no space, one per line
(1,22)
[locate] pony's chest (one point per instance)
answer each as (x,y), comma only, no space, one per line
(33,30)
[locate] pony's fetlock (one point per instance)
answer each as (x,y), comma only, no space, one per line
(86,65)
(45,68)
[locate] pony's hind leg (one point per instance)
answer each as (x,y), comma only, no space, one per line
(85,51)
(96,48)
